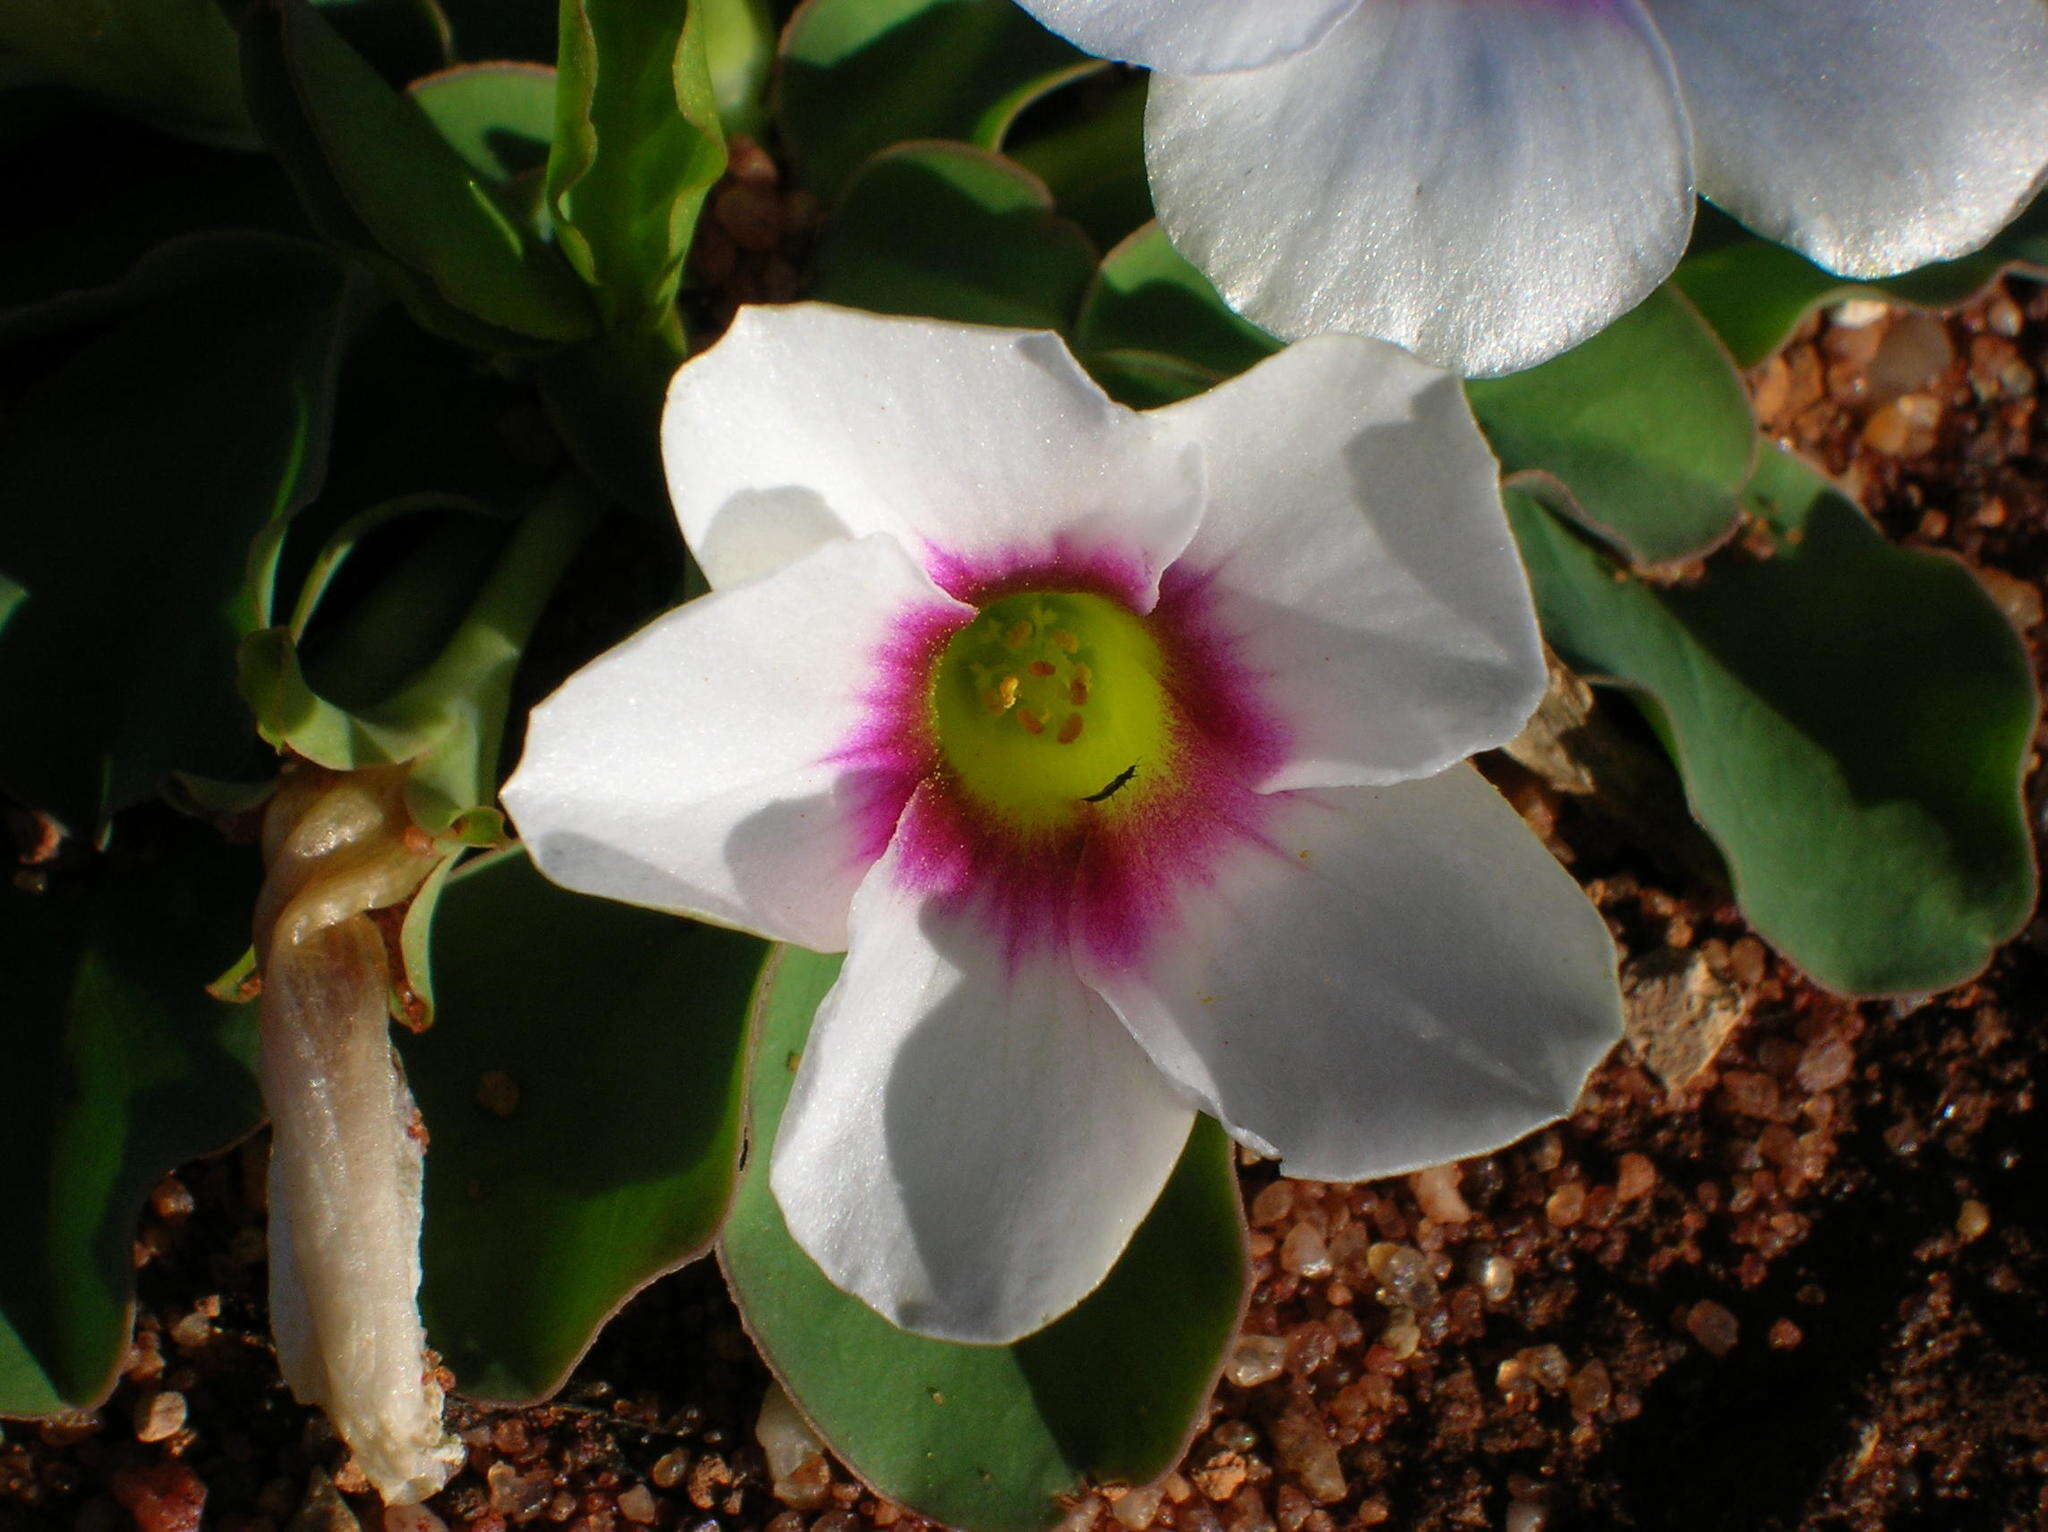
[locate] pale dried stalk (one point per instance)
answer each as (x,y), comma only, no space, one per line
(347,1148)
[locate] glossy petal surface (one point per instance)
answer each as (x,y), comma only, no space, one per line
(699,767)
(1397,977)
(971,1140)
(1355,550)
(1191,36)
(1485,182)
(1873,135)
(976,447)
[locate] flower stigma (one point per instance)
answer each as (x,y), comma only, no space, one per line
(1049,700)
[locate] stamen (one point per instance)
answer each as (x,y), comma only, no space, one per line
(1017,635)
(1062,640)
(1041,667)
(1078,693)
(1034,722)
(1071,729)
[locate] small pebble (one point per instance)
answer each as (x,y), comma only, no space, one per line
(1713,1326)
(1256,1359)
(1548,1366)
(1436,1189)
(1304,1253)
(1565,1205)
(1526,1516)
(412,1518)
(1273,1203)
(1137,1509)
(786,1438)
(637,1505)
(171,1201)
(1634,1177)
(1974,1220)
(1402,1336)
(1591,1389)
(1826,1064)
(669,1469)
(1786,1336)
(1306,1451)
(1403,1274)
(159,1415)
(1496,1278)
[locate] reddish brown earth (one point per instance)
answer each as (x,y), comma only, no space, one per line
(1809,1289)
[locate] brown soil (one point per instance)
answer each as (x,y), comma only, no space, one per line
(1807,1290)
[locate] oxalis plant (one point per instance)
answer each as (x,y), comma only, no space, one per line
(1041,769)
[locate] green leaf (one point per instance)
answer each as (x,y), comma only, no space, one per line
(1647,425)
(170,62)
(1851,721)
(1147,299)
(954,232)
(379,180)
(120,1067)
(425,687)
(1754,292)
(637,146)
(739,49)
(988,1437)
(544,1218)
(861,75)
(500,118)
(138,472)
(1093,161)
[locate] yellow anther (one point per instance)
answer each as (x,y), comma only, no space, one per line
(1077,693)
(1062,640)
(1033,721)
(1083,674)
(1071,729)
(1017,635)
(1041,667)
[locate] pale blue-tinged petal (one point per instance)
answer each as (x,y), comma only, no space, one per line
(1875,135)
(1399,976)
(1485,182)
(1191,36)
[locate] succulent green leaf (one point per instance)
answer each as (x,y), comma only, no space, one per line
(637,146)
(120,1067)
(954,232)
(500,118)
(1148,301)
(427,666)
(554,1193)
(137,473)
(1851,722)
(861,75)
(739,48)
(1754,292)
(1093,161)
(1646,425)
(379,180)
(987,1438)
(169,62)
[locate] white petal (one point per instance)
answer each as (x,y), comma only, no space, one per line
(1486,183)
(703,766)
(1191,36)
(976,447)
(1402,976)
(1875,135)
(971,1141)
(1356,551)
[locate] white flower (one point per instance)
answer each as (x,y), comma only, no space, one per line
(1125,754)
(1489,182)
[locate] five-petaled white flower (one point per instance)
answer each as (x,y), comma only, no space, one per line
(1489,182)
(1125,755)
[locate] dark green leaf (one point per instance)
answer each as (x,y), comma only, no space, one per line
(1851,721)
(620,1034)
(378,179)
(171,62)
(1754,292)
(1647,425)
(446,650)
(1093,161)
(954,232)
(137,475)
(1148,299)
(637,145)
(861,75)
(120,1067)
(987,1437)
